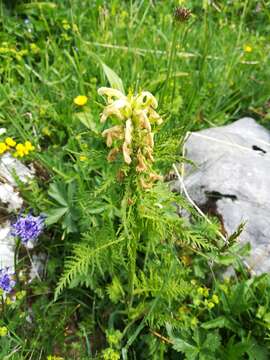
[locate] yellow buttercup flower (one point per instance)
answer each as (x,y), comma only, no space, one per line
(20,150)
(10,142)
(3,331)
(3,147)
(28,147)
(80,100)
(247,48)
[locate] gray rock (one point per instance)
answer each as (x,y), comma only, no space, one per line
(232,173)
(10,200)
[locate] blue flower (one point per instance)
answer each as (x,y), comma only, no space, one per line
(7,282)
(28,228)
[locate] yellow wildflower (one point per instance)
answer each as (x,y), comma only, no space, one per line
(203,291)
(194,321)
(20,150)
(10,142)
(20,294)
(3,147)
(196,302)
(80,100)
(83,158)
(8,301)
(183,309)
(28,147)
(34,48)
(210,305)
(65,25)
(3,331)
(247,48)
(75,28)
(215,299)
(53,357)
(200,290)
(46,131)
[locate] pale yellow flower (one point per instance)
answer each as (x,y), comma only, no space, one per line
(135,115)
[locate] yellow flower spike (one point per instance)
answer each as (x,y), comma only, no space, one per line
(10,142)
(215,299)
(3,147)
(134,115)
(80,100)
(247,48)
(3,331)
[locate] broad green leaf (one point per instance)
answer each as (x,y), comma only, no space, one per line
(53,215)
(113,78)
(212,342)
(220,322)
(36,7)
(58,192)
(64,195)
(87,119)
(180,345)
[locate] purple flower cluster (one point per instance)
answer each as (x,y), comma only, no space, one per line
(28,228)
(7,282)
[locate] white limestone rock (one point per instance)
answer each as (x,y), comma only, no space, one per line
(10,201)
(232,170)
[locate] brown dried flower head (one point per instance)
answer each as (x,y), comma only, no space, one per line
(182,14)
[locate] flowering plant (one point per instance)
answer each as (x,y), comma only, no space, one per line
(28,228)
(132,135)
(7,281)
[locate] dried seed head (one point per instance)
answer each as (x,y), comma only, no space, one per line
(141,167)
(182,14)
(114,133)
(113,154)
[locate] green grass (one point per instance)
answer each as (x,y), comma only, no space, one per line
(199,71)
